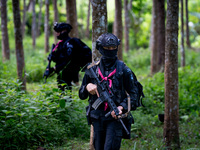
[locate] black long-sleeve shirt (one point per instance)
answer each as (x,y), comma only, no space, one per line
(122,83)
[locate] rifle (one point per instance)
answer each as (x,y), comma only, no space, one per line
(48,69)
(106,95)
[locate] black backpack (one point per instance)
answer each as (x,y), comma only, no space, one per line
(84,53)
(120,67)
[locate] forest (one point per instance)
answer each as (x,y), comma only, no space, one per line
(160,43)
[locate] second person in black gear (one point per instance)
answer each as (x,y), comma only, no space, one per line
(108,131)
(69,55)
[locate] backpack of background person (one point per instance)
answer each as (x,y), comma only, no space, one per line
(120,67)
(84,53)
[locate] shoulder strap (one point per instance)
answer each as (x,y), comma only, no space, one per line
(119,68)
(67,40)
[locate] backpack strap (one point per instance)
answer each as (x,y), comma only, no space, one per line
(119,70)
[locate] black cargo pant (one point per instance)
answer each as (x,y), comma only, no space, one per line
(107,134)
(65,78)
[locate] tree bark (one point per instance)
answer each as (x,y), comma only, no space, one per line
(33,29)
(161,35)
(99,24)
(118,25)
(24,18)
(46,26)
(182,37)
(154,51)
(87,33)
(72,17)
(126,26)
(55,8)
(19,44)
(187,26)
(171,119)
(40,18)
(4,31)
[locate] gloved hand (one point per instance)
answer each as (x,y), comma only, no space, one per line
(51,57)
(48,71)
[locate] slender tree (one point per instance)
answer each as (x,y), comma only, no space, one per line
(46,26)
(126,26)
(19,44)
(187,26)
(157,41)
(161,34)
(130,5)
(87,33)
(24,18)
(171,119)
(33,29)
(182,36)
(4,31)
(118,25)
(99,24)
(154,40)
(72,17)
(55,8)
(40,18)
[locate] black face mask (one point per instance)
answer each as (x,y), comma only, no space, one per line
(109,54)
(63,36)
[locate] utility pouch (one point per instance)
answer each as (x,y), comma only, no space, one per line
(88,109)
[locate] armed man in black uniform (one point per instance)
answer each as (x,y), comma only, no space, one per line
(108,130)
(69,55)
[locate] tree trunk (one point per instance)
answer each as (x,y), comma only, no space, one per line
(99,24)
(72,17)
(130,5)
(87,33)
(126,26)
(40,19)
(161,35)
(91,138)
(187,26)
(55,8)
(46,26)
(171,119)
(29,6)
(4,31)
(154,51)
(34,29)
(182,37)
(118,25)
(19,44)
(24,18)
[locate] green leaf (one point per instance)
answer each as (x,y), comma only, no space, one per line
(62,103)
(2,90)
(6,111)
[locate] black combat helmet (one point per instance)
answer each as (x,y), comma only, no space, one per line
(58,27)
(107,40)
(107,44)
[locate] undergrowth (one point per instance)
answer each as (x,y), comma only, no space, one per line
(44,116)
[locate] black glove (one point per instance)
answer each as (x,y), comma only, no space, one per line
(51,57)
(47,72)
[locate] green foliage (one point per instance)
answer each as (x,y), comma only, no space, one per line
(42,117)
(138,61)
